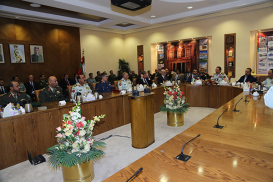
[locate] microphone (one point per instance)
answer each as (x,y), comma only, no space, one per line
(234,110)
(182,156)
(246,99)
(217,125)
(138,171)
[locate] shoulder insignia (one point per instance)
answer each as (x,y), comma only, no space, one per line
(214,73)
(222,73)
(19,94)
(9,95)
(48,89)
(120,84)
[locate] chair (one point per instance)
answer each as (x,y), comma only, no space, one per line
(94,86)
(69,90)
(37,93)
(134,81)
(262,78)
(116,84)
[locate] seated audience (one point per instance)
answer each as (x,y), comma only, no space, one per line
(218,76)
(156,74)
(22,86)
(269,81)
(187,74)
(177,76)
(203,75)
(162,77)
(52,92)
(168,74)
(149,74)
(14,95)
(144,79)
(132,75)
(3,89)
(91,80)
(64,83)
(112,77)
(75,80)
(124,83)
(98,77)
(247,77)
(193,76)
(104,85)
(81,87)
(43,82)
(31,86)
(120,75)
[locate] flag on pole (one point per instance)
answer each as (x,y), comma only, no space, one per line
(82,65)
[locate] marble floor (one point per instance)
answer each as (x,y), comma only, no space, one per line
(119,151)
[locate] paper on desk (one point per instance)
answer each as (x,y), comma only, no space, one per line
(23,111)
(8,108)
(90,97)
(62,103)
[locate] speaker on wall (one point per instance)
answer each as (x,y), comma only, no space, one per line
(131,5)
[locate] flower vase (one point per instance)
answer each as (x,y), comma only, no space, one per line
(175,119)
(81,172)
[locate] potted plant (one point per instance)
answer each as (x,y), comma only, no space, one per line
(175,106)
(76,149)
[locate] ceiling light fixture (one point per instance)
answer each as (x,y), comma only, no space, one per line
(34,5)
(153,16)
(189,7)
(17,17)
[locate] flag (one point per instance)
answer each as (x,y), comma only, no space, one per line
(82,65)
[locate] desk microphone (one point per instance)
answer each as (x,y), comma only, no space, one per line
(234,110)
(246,99)
(138,171)
(182,156)
(217,125)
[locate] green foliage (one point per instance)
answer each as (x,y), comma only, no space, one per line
(180,110)
(124,66)
(59,158)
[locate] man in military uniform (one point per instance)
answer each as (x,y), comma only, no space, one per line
(98,77)
(42,83)
(52,92)
(177,76)
(168,74)
(269,81)
(218,76)
(203,75)
(104,85)
(81,87)
(36,57)
(14,96)
(22,86)
(124,83)
(112,77)
(132,75)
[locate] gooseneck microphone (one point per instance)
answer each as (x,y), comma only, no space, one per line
(246,99)
(136,173)
(182,156)
(217,125)
(234,110)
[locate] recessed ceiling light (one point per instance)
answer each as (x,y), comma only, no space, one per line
(153,16)
(189,7)
(259,30)
(17,17)
(124,23)
(35,5)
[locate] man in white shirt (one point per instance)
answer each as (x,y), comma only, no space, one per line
(269,81)
(124,83)
(268,98)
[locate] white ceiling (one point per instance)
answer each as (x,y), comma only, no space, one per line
(165,11)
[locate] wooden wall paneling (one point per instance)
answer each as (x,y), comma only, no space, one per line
(159,98)
(205,98)
(64,51)
(126,109)
(7,29)
(236,91)
(23,30)
(38,32)
(51,33)
(101,126)
(213,96)
(63,34)
(226,94)
(194,95)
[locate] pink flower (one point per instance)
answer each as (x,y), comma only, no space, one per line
(59,135)
(58,129)
(170,93)
(83,118)
(79,125)
(69,122)
(72,127)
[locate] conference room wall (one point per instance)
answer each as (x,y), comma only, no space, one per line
(61,46)
(241,23)
(102,50)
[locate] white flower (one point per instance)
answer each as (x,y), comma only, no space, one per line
(82,140)
(57,148)
(86,148)
(75,145)
(82,133)
(69,132)
(84,123)
(74,150)
(78,155)
(96,118)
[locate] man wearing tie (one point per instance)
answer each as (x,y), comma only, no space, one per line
(65,82)
(144,79)
(193,76)
(3,89)
(14,96)
(31,86)
(177,76)
(52,92)
(162,77)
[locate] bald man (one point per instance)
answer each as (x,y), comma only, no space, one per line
(52,92)
(31,86)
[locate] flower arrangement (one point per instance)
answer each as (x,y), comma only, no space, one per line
(75,144)
(174,100)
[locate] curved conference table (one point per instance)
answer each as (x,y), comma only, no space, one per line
(36,131)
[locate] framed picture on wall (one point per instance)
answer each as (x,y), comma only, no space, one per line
(17,53)
(2,58)
(36,54)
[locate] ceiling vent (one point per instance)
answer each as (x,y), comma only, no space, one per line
(131,5)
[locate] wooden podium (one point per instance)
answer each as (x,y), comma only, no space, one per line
(142,120)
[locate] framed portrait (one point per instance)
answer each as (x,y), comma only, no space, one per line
(36,54)
(17,53)
(2,57)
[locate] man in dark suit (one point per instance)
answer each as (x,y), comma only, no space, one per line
(162,77)
(193,76)
(31,86)
(52,92)
(144,79)
(98,77)
(247,77)
(64,83)
(3,89)
(168,74)
(75,80)
(203,75)
(187,74)
(14,96)
(132,75)
(43,82)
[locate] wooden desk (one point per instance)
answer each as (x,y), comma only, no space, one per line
(36,131)
(241,151)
